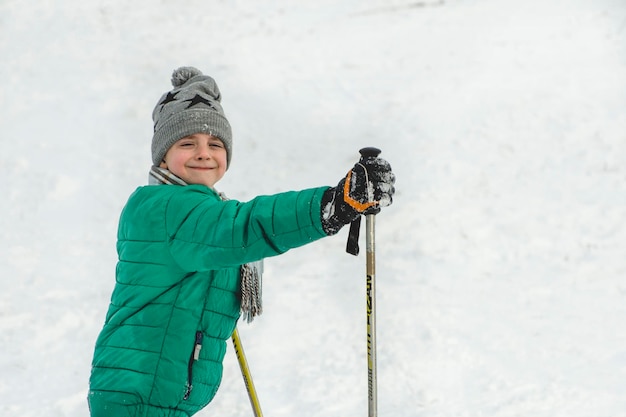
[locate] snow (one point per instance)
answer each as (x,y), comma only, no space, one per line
(500,266)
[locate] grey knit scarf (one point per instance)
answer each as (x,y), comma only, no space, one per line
(251,273)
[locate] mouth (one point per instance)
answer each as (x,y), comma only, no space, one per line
(202,168)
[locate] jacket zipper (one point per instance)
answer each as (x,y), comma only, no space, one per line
(195,355)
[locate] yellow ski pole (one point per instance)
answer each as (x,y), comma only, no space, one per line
(371,316)
(247,377)
(352,247)
(370,271)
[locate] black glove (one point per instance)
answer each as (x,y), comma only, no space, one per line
(367,187)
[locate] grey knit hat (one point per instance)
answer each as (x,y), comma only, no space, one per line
(193,106)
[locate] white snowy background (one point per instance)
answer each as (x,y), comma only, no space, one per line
(501,267)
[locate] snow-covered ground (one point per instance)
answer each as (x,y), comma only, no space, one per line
(501,266)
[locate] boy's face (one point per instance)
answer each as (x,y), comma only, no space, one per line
(197,159)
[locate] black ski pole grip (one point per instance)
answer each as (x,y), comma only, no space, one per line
(369,152)
(366,153)
(352,246)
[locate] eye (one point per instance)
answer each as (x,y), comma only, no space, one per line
(216,145)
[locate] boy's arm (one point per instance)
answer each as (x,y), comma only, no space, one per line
(205,233)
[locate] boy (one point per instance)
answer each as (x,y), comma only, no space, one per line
(185,271)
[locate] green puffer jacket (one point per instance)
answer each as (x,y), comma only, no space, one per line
(177,286)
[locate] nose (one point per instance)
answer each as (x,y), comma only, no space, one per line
(203,151)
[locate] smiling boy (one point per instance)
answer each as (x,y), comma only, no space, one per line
(184,274)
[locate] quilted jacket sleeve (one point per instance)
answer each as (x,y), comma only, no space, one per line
(205,233)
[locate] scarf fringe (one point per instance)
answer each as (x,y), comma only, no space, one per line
(251,290)
(251,273)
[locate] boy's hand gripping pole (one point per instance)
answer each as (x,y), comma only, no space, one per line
(352,246)
(370,264)
(247,377)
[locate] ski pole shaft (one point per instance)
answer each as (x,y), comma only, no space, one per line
(370,269)
(247,376)
(371,315)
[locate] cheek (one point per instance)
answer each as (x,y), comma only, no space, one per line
(174,165)
(176,160)
(223,161)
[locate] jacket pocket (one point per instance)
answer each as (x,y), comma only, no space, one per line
(195,355)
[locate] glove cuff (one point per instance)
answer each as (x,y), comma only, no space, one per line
(334,213)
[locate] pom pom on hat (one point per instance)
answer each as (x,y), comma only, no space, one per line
(193,106)
(183,74)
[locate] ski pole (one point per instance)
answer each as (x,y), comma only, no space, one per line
(370,270)
(247,377)
(352,247)
(371,315)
